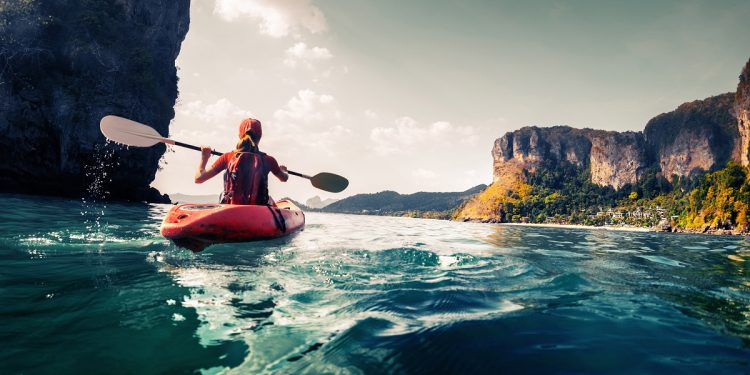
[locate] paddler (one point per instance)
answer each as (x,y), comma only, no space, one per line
(246,176)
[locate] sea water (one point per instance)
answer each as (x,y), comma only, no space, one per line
(90,287)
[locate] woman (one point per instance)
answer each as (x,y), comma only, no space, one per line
(246,176)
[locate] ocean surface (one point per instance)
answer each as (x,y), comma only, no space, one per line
(87,287)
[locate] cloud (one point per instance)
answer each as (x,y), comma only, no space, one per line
(278,18)
(310,122)
(407,135)
(424,173)
(301,54)
(223,113)
(308,106)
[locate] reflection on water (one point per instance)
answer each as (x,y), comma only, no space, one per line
(355,294)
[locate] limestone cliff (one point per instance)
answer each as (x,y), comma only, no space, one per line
(615,158)
(67,64)
(742,112)
(698,136)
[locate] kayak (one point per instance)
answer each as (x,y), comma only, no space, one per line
(196,226)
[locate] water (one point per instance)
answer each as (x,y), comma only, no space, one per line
(93,288)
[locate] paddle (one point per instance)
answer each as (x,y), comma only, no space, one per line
(131,133)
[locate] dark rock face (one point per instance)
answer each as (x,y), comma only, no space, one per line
(742,112)
(65,65)
(697,136)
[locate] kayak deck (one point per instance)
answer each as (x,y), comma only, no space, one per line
(196,226)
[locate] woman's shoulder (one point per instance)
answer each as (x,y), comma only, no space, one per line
(270,158)
(224,158)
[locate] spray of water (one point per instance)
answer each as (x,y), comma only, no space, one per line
(93,204)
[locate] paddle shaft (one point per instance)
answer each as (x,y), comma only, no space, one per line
(298,174)
(196,148)
(217,153)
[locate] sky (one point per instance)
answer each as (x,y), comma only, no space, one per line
(411,95)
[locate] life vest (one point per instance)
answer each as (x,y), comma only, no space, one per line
(246,179)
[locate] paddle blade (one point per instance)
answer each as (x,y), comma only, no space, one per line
(128,132)
(329,182)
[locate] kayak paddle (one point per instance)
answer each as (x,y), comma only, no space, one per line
(131,133)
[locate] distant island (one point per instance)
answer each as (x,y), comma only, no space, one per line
(316,202)
(432,205)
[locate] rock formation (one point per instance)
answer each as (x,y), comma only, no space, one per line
(615,158)
(742,112)
(65,65)
(317,202)
(697,136)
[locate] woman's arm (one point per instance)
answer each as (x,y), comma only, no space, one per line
(276,169)
(202,174)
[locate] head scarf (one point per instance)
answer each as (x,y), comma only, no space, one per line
(251,126)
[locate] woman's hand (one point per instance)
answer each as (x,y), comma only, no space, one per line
(206,152)
(283,174)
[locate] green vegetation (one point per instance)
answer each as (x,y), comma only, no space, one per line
(564,194)
(720,200)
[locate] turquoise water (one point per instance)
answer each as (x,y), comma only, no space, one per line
(93,288)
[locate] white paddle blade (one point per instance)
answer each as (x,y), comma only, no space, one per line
(130,133)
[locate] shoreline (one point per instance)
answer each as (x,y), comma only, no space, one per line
(626,228)
(616,228)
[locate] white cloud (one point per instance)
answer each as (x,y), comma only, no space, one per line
(310,122)
(424,173)
(308,106)
(223,113)
(370,114)
(301,54)
(406,135)
(389,140)
(278,18)
(327,141)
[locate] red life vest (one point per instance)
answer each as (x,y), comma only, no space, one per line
(246,179)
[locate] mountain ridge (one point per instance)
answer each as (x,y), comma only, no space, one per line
(389,202)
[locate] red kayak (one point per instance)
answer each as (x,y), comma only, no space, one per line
(196,226)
